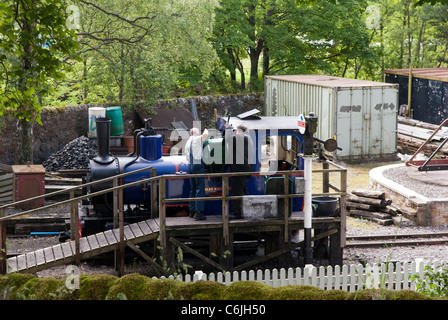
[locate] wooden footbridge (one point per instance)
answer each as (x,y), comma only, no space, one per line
(170,232)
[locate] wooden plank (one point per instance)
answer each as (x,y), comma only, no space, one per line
(111,239)
(146,257)
(369,214)
(30,259)
(128,235)
(49,256)
(83,245)
(116,233)
(40,257)
(369,193)
(57,250)
(12,264)
(93,243)
(73,246)
(67,249)
(102,240)
(153,225)
(21,262)
(8,176)
(144,227)
(136,230)
(7,188)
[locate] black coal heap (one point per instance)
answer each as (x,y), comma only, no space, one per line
(75,155)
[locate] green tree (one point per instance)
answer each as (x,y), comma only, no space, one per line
(34,41)
(288,36)
(134,51)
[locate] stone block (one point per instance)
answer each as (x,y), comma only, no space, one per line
(260,207)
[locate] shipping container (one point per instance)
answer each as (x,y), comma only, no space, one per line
(429,92)
(360,115)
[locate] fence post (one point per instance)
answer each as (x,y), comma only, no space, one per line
(3,261)
(74,226)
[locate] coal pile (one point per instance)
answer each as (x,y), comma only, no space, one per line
(75,155)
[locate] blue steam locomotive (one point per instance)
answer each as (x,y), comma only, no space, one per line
(277,144)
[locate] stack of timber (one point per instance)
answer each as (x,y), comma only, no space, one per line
(371,205)
(6,184)
(56,182)
(413,133)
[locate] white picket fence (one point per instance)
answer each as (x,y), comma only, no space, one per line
(389,276)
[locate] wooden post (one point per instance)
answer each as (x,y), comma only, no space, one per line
(162,216)
(343,207)
(118,217)
(3,261)
(121,225)
(74,226)
(153,187)
(227,237)
(225,210)
(325,177)
(410,91)
(286,207)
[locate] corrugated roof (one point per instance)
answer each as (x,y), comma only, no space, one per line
(330,81)
(439,74)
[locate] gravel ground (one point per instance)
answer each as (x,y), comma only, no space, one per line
(357,227)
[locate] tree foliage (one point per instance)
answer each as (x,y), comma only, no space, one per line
(34,40)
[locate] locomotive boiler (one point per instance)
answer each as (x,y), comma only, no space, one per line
(278,134)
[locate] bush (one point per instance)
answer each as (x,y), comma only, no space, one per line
(138,287)
(291,292)
(202,290)
(248,290)
(95,287)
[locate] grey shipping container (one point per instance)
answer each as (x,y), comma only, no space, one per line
(361,115)
(429,92)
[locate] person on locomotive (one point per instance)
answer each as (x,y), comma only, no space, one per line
(194,155)
(239,159)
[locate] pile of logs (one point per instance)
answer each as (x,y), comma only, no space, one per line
(371,205)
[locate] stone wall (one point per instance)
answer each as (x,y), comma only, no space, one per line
(61,125)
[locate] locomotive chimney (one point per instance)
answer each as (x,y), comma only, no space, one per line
(103,136)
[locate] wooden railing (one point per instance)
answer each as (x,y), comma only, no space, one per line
(118,204)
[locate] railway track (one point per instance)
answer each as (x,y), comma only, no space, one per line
(416,239)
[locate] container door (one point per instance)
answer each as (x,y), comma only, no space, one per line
(389,121)
(350,122)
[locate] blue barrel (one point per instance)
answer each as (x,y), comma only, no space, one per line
(151,147)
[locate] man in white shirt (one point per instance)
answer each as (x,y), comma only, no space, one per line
(194,153)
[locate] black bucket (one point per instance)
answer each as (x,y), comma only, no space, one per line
(324,206)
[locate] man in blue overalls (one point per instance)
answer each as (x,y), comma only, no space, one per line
(194,153)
